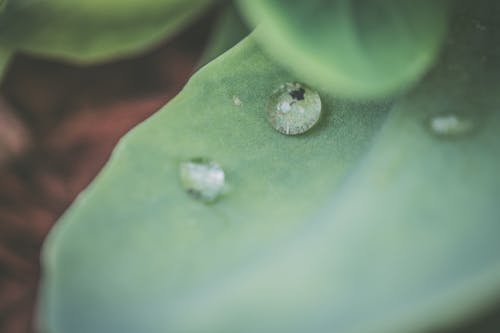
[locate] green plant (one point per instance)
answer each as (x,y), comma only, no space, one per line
(90,30)
(379,219)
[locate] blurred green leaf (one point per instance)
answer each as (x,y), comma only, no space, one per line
(92,30)
(354,48)
(368,223)
(227,32)
(5,56)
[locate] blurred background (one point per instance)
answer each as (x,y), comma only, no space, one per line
(58,124)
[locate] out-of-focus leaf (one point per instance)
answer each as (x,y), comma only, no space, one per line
(227,32)
(352,227)
(354,48)
(5,56)
(92,30)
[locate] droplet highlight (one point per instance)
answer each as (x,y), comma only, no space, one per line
(237,101)
(203,179)
(293,109)
(450,125)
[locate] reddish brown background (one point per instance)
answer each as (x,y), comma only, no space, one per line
(58,125)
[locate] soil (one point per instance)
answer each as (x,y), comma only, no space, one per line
(58,124)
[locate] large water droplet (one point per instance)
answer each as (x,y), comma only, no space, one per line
(293,109)
(450,125)
(202,178)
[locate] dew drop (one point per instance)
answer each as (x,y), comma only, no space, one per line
(450,125)
(293,108)
(202,179)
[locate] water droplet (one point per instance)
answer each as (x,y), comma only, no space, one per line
(237,101)
(450,125)
(293,109)
(202,178)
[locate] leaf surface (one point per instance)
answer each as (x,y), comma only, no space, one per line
(368,223)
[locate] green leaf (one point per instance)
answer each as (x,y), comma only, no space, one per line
(147,231)
(354,48)
(368,223)
(227,32)
(92,30)
(5,57)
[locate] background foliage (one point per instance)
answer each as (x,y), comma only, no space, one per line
(91,30)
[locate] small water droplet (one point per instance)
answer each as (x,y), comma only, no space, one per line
(237,101)
(293,108)
(450,125)
(202,178)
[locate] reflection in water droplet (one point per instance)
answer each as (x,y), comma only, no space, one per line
(450,125)
(202,178)
(293,109)
(237,101)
